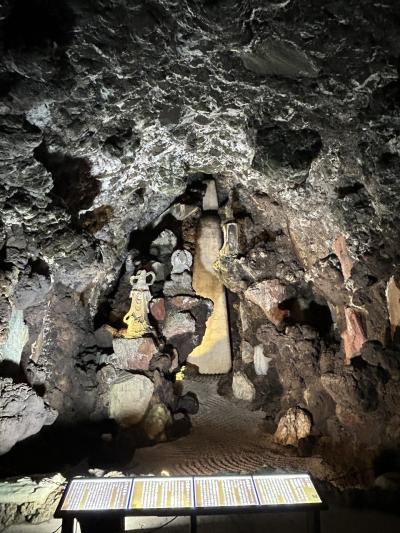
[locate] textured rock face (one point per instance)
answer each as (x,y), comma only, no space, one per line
(106,111)
(26,500)
(22,413)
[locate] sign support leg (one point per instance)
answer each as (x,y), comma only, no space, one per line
(193,523)
(316,521)
(67,525)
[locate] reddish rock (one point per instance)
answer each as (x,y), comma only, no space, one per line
(157,309)
(354,336)
(133,354)
(339,246)
(268,295)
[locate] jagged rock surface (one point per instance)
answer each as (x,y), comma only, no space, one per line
(106,109)
(22,413)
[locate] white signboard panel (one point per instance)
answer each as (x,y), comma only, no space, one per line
(162,493)
(224,491)
(97,494)
(286,490)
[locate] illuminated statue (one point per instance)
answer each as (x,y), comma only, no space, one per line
(136,318)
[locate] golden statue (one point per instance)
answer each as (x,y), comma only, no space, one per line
(136,318)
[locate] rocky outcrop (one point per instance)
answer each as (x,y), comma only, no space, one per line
(22,413)
(26,500)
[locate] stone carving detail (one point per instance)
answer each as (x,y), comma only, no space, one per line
(231,240)
(181,279)
(136,318)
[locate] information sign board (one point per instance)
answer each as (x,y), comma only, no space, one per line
(286,490)
(224,491)
(162,493)
(97,494)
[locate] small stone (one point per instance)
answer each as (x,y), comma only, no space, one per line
(133,354)
(339,246)
(157,309)
(268,295)
(354,336)
(247,352)
(164,244)
(157,420)
(388,481)
(104,337)
(178,324)
(130,396)
(393,304)
(242,387)
(261,362)
(293,426)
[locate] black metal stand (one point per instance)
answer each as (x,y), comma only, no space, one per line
(67,525)
(193,523)
(314,521)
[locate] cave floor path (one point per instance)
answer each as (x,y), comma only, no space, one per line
(226,437)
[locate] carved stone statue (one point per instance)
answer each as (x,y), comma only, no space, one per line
(136,319)
(231,240)
(181,279)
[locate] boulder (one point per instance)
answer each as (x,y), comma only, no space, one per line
(22,413)
(293,426)
(242,387)
(133,354)
(130,396)
(26,500)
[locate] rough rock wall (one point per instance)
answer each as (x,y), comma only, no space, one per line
(108,106)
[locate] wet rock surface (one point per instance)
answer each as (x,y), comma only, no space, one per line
(109,111)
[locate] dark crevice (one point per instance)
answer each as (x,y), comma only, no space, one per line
(38,23)
(342,192)
(74,187)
